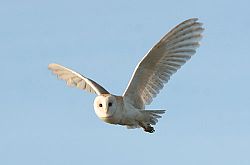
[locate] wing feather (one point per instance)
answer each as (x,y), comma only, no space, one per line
(162,61)
(75,79)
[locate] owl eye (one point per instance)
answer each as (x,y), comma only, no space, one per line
(110,104)
(100,105)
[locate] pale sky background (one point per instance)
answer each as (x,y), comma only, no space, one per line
(44,122)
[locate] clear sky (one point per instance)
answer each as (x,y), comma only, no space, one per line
(44,122)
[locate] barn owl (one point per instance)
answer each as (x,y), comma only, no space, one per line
(149,77)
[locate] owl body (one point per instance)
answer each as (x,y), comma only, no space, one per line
(115,110)
(112,109)
(149,77)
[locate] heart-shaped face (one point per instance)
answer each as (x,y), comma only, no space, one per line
(105,106)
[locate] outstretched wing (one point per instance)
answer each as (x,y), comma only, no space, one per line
(163,60)
(75,79)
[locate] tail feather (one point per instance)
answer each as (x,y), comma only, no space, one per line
(150,117)
(156,111)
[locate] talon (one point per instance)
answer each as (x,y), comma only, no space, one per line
(149,129)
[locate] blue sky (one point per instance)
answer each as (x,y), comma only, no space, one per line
(44,122)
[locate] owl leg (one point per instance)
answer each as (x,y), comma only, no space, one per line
(147,127)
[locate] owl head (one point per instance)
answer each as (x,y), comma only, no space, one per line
(105,106)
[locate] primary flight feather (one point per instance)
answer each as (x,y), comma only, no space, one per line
(149,77)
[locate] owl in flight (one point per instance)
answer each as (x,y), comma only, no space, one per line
(149,77)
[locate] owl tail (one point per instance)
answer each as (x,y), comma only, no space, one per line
(149,118)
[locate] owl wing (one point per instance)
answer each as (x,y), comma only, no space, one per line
(163,60)
(75,79)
